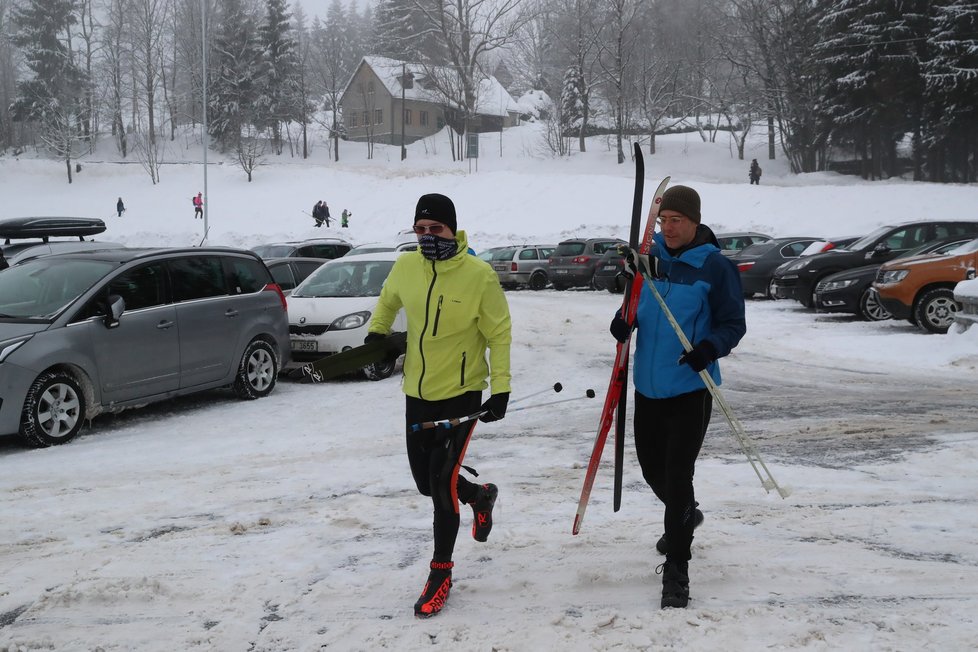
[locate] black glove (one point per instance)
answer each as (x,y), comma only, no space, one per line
(699,356)
(373,337)
(620,329)
(495,407)
(630,263)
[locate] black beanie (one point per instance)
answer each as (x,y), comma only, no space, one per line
(682,199)
(438,208)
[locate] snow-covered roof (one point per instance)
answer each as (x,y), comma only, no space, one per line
(492,98)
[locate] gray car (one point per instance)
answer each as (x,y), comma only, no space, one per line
(574,261)
(88,332)
(527,265)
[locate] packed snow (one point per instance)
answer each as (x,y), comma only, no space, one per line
(292,522)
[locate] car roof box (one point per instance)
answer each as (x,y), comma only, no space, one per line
(44,227)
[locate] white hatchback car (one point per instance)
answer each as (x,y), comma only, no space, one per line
(330,311)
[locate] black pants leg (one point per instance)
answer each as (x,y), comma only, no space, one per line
(435,457)
(669,433)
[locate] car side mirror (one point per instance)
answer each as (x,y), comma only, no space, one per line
(116,305)
(881,250)
(969,274)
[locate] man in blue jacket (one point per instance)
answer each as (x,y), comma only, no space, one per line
(672,405)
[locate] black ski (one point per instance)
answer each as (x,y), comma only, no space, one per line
(620,418)
(351,360)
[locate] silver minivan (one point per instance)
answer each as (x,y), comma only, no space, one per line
(100,331)
(523,265)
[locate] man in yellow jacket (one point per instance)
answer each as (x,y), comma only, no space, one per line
(455,310)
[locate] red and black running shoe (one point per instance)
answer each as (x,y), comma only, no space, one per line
(482,511)
(436,590)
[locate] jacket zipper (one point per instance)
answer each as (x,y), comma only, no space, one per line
(434,330)
(462,380)
(427,305)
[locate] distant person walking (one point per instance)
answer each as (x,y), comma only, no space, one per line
(317,212)
(755,172)
(324,214)
(199,206)
(120,208)
(345,218)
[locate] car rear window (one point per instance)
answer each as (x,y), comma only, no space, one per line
(246,275)
(503,254)
(570,249)
(274,251)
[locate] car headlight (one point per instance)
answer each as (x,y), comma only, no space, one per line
(9,346)
(794,267)
(353,320)
(893,276)
(830,286)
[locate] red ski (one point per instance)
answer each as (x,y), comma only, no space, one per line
(620,369)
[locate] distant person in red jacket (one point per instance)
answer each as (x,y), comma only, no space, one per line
(199,206)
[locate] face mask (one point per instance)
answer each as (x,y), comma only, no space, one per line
(434,248)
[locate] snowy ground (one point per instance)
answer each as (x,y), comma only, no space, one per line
(292,523)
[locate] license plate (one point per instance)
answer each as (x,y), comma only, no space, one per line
(560,271)
(305,345)
(608,268)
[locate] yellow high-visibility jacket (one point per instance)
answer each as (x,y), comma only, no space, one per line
(455,309)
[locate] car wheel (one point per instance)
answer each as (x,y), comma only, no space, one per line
(54,410)
(870,307)
(538,281)
(935,310)
(380,370)
(770,290)
(257,372)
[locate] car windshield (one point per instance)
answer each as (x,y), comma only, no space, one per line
(570,249)
(39,289)
(869,240)
(504,254)
(966,248)
(349,278)
(274,251)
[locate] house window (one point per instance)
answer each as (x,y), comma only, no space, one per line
(407,116)
(366,118)
(424,118)
(353,120)
(441,123)
(378,116)
(370,92)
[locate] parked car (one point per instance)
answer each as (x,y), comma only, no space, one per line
(369,248)
(329,312)
(325,248)
(799,279)
(821,246)
(574,261)
(921,288)
(527,265)
(488,254)
(88,332)
(757,262)
(731,243)
(609,273)
(966,294)
(29,237)
(852,290)
(289,272)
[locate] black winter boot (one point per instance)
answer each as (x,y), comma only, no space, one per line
(675,583)
(482,511)
(662,545)
(436,590)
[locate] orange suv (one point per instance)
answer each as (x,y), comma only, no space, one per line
(921,289)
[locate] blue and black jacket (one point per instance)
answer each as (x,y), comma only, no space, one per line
(702,289)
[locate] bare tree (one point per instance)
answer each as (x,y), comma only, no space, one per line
(116,56)
(148,22)
(250,149)
(616,61)
(576,27)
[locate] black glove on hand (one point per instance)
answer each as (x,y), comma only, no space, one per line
(495,407)
(630,264)
(699,356)
(373,337)
(620,329)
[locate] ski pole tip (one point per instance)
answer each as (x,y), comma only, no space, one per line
(590,393)
(558,387)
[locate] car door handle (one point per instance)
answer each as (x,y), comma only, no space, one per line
(165,324)
(230,312)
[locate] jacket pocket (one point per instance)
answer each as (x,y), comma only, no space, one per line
(434,330)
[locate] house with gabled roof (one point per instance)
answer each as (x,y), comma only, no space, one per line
(386,98)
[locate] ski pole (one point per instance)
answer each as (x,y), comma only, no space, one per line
(767,480)
(557,387)
(457,421)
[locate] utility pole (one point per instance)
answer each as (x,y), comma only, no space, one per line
(204,137)
(403,84)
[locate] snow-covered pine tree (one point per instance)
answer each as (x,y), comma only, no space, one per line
(280,96)
(236,74)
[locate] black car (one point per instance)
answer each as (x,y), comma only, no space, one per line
(608,274)
(799,279)
(289,272)
(757,262)
(852,290)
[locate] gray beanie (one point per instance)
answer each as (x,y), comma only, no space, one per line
(682,199)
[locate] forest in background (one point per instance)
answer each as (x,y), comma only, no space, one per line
(879,88)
